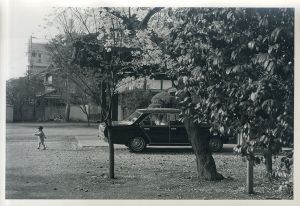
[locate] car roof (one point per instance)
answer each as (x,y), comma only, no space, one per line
(160,110)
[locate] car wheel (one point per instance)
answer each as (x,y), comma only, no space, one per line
(215,144)
(137,144)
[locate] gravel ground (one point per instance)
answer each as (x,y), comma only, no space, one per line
(64,171)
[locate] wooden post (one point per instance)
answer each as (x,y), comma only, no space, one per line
(268,160)
(249,180)
(111,157)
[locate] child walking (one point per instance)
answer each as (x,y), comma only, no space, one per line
(41,136)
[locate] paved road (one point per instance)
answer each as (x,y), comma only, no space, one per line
(32,173)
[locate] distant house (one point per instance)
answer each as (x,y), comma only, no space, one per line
(38,58)
(50,103)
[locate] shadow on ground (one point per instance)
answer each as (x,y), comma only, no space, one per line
(163,150)
(181,150)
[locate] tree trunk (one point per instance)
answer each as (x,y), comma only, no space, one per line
(88,120)
(249,179)
(103,100)
(67,112)
(199,138)
(268,161)
(88,112)
(111,153)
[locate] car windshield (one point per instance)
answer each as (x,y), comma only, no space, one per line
(133,117)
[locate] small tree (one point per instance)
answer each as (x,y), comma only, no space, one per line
(99,51)
(23,91)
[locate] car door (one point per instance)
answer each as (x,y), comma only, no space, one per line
(178,134)
(156,128)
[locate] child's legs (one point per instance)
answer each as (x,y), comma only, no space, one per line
(42,142)
(39,143)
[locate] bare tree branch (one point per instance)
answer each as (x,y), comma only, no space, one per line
(132,22)
(144,22)
(79,16)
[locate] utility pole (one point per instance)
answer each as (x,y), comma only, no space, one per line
(29,69)
(30,60)
(29,56)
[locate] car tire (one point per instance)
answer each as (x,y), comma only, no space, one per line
(137,144)
(215,144)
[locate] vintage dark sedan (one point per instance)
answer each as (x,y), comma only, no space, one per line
(155,127)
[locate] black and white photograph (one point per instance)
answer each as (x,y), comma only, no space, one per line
(148,102)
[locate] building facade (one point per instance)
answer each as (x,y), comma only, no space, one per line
(38,58)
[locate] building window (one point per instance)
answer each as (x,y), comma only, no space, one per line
(33,54)
(40,55)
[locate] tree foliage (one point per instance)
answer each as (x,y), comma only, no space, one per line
(239,72)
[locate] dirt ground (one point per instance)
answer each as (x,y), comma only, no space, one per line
(64,171)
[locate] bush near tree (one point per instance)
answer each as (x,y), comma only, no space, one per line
(163,100)
(134,99)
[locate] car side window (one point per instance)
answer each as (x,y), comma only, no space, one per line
(161,119)
(156,119)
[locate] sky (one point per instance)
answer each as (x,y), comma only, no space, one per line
(25,20)
(25,16)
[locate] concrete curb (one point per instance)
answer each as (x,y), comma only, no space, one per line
(93,141)
(89,141)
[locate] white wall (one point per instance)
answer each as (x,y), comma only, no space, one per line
(76,113)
